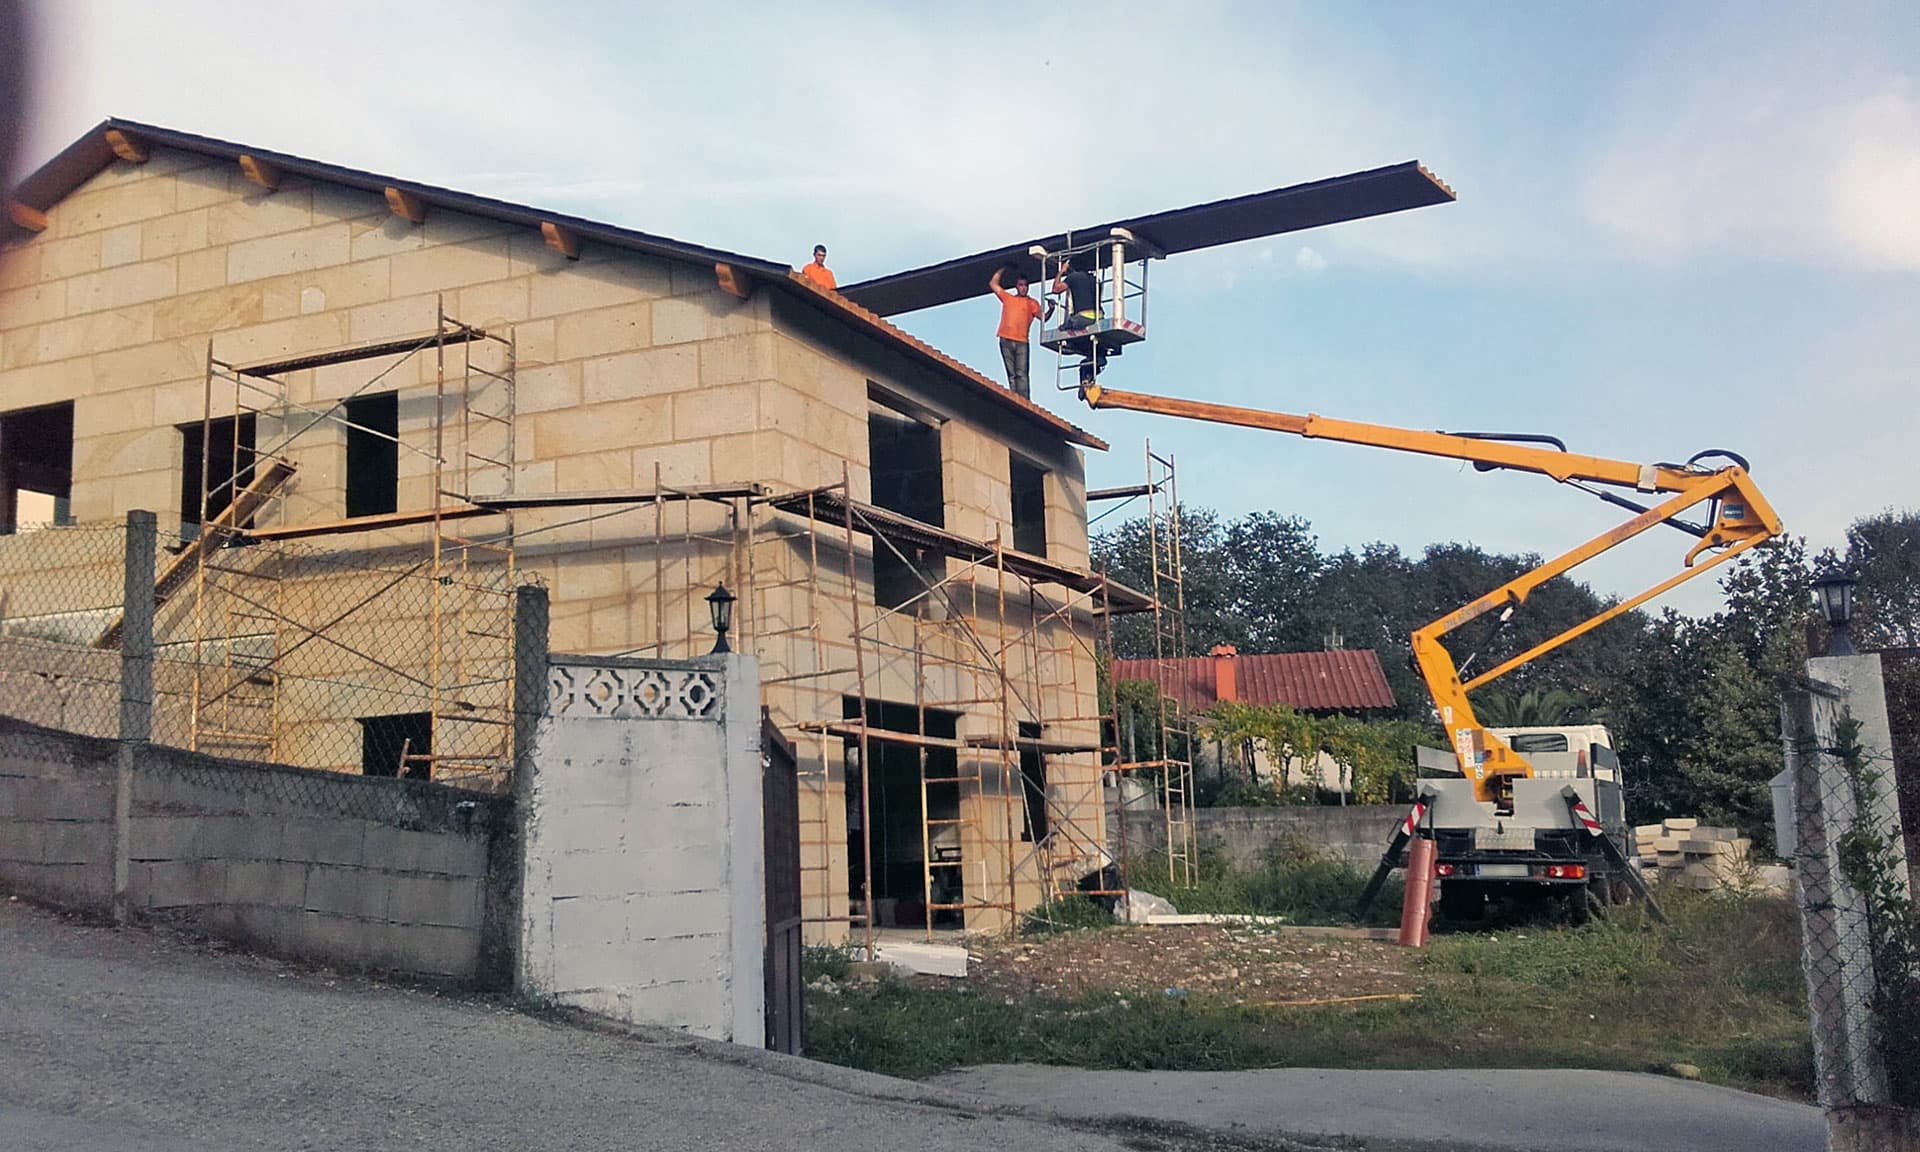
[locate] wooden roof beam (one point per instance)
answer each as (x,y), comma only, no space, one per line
(733,281)
(26,216)
(406,205)
(561,239)
(259,171)
(129,148)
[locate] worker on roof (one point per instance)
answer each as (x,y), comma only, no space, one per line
(818,272)
(1018,311)
(1082,290)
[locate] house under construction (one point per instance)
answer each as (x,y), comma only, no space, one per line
(365,409)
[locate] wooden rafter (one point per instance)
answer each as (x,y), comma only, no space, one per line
(26,216)
(561,239)
(406,205)
(733,281)
(260,172)
(127,147)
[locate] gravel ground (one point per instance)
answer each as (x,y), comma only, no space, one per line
(134,1042)
(1246,965)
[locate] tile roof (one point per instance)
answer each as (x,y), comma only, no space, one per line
(92,153)
(1340,681)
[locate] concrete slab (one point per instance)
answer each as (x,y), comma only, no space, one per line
(923,958)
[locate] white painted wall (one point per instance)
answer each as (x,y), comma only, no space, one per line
(644,896)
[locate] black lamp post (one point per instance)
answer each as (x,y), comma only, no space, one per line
(1833,594)
(720,606)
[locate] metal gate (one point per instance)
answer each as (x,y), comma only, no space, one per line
(786,1010)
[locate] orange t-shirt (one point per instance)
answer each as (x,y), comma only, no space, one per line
(820,274)
(1017,314)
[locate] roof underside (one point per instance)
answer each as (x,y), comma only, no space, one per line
(1347,680)
(92,153)
(1357,196)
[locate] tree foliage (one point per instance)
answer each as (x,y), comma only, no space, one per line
(1691,700)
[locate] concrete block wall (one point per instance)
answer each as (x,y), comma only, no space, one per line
(1247,836)
(644,896)
(378,874)
(56,816)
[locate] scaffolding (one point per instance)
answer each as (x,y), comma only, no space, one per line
(254,608)
(1169,762)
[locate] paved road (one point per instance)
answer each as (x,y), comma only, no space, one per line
(127,1042)
(1568,1111)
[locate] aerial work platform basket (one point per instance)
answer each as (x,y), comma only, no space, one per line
(1117,261)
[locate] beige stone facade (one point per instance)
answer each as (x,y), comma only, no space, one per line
(629,370)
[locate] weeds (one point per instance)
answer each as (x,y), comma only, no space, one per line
(1719,988)
(1293,882)
(1066,914)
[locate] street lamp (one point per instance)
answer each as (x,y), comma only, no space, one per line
(1833,595)
(720,606)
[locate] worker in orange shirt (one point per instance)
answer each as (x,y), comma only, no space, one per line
(818,272)
(1018,311)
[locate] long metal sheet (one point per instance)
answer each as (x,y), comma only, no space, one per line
(1376,192)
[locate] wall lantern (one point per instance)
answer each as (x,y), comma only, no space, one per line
(720,606)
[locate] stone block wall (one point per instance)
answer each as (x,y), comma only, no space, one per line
(380,874)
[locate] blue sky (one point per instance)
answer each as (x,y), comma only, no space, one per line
(1679,227)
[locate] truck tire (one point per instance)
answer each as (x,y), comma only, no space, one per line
(1462,900)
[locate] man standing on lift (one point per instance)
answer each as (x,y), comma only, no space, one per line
(1018,311)
(1082,291)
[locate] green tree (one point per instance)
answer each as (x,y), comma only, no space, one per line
(1884,549)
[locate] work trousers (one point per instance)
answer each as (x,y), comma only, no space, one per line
(1016,353)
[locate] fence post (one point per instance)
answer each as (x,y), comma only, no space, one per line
(1836,941)
(506,868)
(136,690)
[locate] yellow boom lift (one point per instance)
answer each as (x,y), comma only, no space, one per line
(1736,517)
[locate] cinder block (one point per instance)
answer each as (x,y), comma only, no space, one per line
(326,938)
(162,837)
(325,841)
(176,883)
(1680,824)
(356,892)
(1708,832)
(23,841)
(250,837)
(276,882)
(435,901)
(71,842)
(426,950)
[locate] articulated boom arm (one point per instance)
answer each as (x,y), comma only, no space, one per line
(1738,517)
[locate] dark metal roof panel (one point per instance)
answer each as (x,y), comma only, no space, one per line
(1356,196)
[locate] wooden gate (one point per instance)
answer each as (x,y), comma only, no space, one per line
(786,1009)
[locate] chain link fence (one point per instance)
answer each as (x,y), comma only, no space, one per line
(376,661)
(1860,932)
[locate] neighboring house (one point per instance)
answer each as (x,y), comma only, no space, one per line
(674,416)
(1341,682)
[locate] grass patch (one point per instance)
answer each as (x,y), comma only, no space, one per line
(1720,988)
(1292,882)
(1067,914)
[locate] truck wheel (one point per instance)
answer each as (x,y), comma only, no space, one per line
(1462,901)
(1579,906)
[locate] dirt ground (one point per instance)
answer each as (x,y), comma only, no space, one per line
(1243,965)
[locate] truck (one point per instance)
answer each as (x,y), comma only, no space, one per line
(1539,850)
(1533,811)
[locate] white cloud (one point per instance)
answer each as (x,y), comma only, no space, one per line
(903,135)
(1309,259)
(1782,142)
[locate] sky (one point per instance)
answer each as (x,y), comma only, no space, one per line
(1679,227)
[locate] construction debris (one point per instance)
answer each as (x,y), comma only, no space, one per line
(1688,854)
